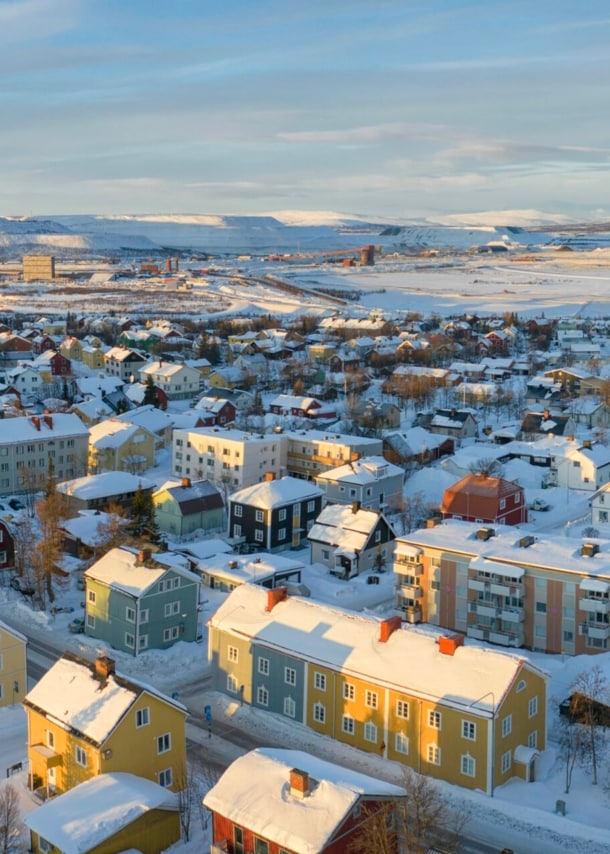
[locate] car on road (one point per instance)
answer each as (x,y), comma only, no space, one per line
(15,504)
(77,626)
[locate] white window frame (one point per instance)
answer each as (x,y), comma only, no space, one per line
(402,709)
(164,743)
(263,666)
(401,743)
(142,717)
(433,754)
(165,778)
(370,732)
(507,761)
(233,654)
(319,713)
(507,725)
(468,765)
(290,707)
(435,719)
(469,730)
(319,681)
(348,725)
(80,756)
(290,676)
(532,707)
(232,685)
(371,699)
(130,614)
(349,691)
(262,696)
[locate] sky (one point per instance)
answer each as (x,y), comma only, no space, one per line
(389,109)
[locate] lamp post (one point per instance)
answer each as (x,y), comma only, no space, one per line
(491,736)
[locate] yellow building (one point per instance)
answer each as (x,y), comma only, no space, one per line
(116,445)
(13,666)
(93,357)
(85,719)
(471,716)
(108,813)
(38,267)
(71,348)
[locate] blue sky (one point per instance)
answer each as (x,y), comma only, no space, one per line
(387,108)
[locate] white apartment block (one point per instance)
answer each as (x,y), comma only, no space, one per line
(229,458)
(28,445)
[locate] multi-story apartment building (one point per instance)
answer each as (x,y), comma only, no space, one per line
(230,458)
(314,451)
(371,481)
(471,716)
(549,594)
(123,362)
(30,447)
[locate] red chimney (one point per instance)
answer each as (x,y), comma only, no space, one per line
(386,627)
(299,783)
(36,421)
(278,594)
(447,644)
(48,420)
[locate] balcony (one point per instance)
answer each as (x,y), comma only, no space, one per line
(476,584)
(593,605)
(484,609)
(477,633)
(599,631)
(415,568)
(412,591)
(513,639)
(512,615)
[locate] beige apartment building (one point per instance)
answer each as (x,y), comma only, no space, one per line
(500,585)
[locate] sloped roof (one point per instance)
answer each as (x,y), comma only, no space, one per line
(269,809)
(192,497)
(275,493)
(89,814)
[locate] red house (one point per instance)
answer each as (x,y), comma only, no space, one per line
(7,548)
(273,800)
(480,498)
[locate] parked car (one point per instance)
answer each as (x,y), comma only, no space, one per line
(22,586)
(15,504)
(77,626)
(539,504)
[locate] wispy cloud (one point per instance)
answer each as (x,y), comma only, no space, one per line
(27,20)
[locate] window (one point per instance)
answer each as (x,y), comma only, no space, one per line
(349,691)
(433,754)
(259,516)
(402,709)
(260,846)
(171,609)
(90,621)
(233,654)
(164,742)
(401,743)
(290,676)
(319,681)
(142,717)
(469,730)
(171,634)
(259,535)
(50,739)
(231,683)
(263,666)
(532,739)
(468,765)
(435,719)
(506,761)
(143,642)
(165,778)
(370,732)
(281,534)
(521,686)
(130,640)
(282,515)
(44,845)
(347,724)
(568,637)
(290,707)
(262,696)
(311,506)
(319,713)
(502,503)
(144,615)
(507,725)
(80,756)
(237,530)
(237,510)
(532,707)
(130,615)
(370,699)
(541,607)
(91,596)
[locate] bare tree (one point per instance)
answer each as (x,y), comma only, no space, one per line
(10,818)
(569,737)
(590,691)
(378,830)
(487,467)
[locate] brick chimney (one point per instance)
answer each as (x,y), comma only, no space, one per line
(299,783)
(447,644)
(355,506)
(104,666)
(143,555)
(386,627)
(48,420)
(36,421)
(278,594)
(185,482)
(269,476)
